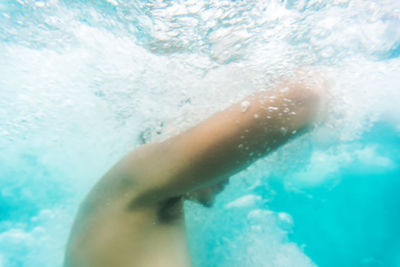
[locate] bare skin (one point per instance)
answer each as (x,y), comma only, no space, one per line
(134,215)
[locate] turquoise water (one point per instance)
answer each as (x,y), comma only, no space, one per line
(83,82)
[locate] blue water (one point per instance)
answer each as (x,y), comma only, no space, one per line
(83,82)
(356,222)
(352,220)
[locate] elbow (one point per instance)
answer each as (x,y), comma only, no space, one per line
(307,104)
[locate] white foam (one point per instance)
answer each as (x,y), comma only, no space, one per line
(245,201)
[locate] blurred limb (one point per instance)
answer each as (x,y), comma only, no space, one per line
(218,147)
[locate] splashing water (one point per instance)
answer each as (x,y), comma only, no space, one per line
(83,82)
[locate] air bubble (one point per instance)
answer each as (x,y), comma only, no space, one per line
(245,105)
(40,4)
(285,221)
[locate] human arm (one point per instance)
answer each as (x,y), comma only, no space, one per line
(215,149)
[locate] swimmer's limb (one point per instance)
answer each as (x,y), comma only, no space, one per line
(215,149)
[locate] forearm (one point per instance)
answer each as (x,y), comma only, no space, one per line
(248,130)
(221,145)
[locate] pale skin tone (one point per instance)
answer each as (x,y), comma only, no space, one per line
(134,215)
